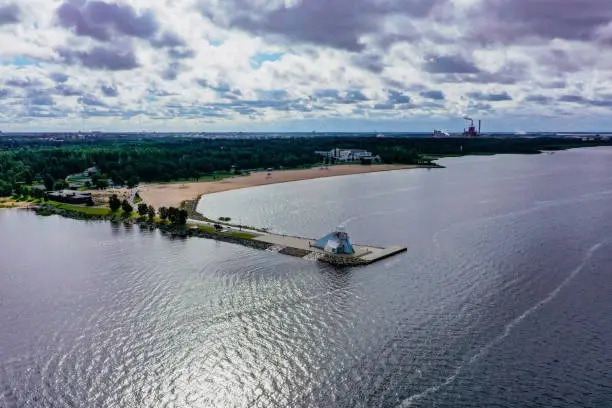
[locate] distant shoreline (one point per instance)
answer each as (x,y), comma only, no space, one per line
(173,194)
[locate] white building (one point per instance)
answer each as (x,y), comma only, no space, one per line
(346,155)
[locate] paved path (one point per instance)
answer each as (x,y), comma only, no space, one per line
(225,227)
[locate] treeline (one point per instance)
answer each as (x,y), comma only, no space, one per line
(131,160)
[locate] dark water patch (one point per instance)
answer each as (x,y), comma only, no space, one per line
(502,299)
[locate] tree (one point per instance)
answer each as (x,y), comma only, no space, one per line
(61,184)
(176,216)
(18,189)
(182,217)
(132,182)
(49,182)
(143,209)
(114,203)
(126,207)
(100,181)
(172,216)
(5,189)
(151,212)
(163,213)
(117,180)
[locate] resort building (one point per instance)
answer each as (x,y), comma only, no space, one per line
(70,196)
(336,242)
(347,155)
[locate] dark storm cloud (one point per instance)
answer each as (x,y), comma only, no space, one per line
(59,77)
(435,95)
(175,45)
(39,98)
(490,97)
(168,40)
(333,96)
(65,90)
(109,90)
(539,99)
(249,107)
(160,92)
(372,63)
(181,53)
(22,83)
(482,107)
(558,84)
(89,111)
(102,21)
(326,93)
(9,14)
(398,97)
(571,98)
(452,64)
(101,58)
(510,20)
(246,111)
(91,100)
(213,110)
(275,94)
(395,99)
(509,74)
(602,103)
(559,62)
(222,88)
(338,24)
(353,97)
(384,106)
(35,111)
(172,71)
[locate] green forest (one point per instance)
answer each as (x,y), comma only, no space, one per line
(129,160)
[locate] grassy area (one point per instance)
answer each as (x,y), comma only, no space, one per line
(235,234)
(82,209)
(242,235)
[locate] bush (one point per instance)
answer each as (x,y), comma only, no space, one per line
(114,203)
(142,209)
(176,216)
(126,207)
(151,212)
(163,213)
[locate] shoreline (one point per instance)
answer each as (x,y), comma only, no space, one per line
(173,194)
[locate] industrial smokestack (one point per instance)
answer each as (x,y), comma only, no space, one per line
(478,126)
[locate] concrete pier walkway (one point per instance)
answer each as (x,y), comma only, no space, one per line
(364,254)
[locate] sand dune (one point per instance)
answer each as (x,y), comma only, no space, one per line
(172,194)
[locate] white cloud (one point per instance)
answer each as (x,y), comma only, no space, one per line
(242,48)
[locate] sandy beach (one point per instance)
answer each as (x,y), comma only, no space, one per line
(8,203)
(172,194)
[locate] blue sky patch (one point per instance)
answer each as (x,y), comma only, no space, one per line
(19,61)
(260,58)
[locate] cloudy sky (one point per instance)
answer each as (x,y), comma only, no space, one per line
(325,65)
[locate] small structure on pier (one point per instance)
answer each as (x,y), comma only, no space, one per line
(336,242)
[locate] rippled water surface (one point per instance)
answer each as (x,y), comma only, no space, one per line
(503,299)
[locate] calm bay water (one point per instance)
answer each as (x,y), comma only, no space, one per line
(503,299)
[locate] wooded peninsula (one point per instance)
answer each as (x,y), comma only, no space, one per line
(130,159)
